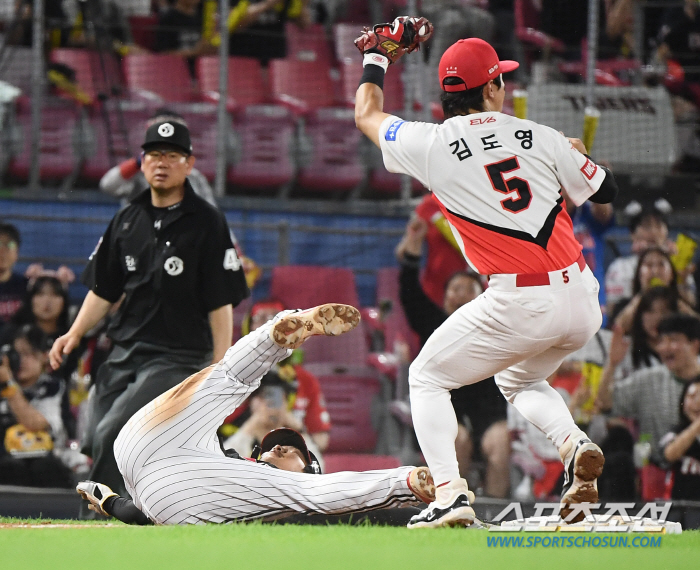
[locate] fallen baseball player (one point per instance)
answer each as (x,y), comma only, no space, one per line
(177,472)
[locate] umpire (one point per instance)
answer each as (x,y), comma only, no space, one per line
(168,257)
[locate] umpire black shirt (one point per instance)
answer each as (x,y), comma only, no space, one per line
(175,265)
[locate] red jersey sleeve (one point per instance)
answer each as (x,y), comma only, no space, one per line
(310,402)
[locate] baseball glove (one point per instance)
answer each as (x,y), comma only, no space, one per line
(403,35)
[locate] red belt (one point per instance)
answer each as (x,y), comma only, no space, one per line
(538,279)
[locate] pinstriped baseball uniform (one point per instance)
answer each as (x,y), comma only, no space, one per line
(177,473)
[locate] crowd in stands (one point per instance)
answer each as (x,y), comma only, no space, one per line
(635,387)
(297,55)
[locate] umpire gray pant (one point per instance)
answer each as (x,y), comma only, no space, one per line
(130,378)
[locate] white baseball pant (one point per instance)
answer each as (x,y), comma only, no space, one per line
(519,334)
(177,473)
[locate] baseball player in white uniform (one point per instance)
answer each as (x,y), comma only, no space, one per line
(498,181)
(177,473)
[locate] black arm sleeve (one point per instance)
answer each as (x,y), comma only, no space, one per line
(422,314)
(126,511)
(608,189)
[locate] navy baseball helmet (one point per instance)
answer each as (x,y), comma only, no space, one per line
(290,437)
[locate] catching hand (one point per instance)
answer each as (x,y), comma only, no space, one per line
(403,35)
(96,494)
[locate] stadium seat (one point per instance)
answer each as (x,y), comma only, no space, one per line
(265,136)
(350,401)
(202,122)
(351,72)
(304,286)
(336,462)
(143,30)
(656,483)
(303,86)
(94,72)
(308,44)
(396,326)
(356,11)
(334,162)
(245,81)
(126,128)
(158,77)
(344,35)
(58,142)
(613,72)
(527,22)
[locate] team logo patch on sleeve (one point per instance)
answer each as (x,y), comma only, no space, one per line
(589,169)
(392,130)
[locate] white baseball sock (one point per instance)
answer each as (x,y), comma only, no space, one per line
(543,407)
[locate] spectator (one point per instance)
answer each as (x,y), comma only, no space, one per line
(258,27)
(453,20)
(169,258)
(307,407)
(650,396)
(13,286)
(444,258)
(679,42)
(56,27)
(31,423)
(591,222)
(648,228)
(180,31)
(678,52)
(46,303)
(681,446)
(126,181)
(640,352)
(653,269)
(480,407)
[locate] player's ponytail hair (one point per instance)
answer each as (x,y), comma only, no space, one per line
(460,102)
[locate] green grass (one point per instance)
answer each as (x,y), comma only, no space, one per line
(256,546)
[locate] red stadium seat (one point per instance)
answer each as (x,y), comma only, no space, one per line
(304,286)
(335,162)
(336,462)
(396,326)
(308,44)
(58,154)
(656,483)
(349,400)
(158,77)
(132,122)
(343,40)
(266,136)
(245,81)
(143,30)
(201,119)
(527,22)
(303,86)
(351,70)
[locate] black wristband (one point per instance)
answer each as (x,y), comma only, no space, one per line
(373,74)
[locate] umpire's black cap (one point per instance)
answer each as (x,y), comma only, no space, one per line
(287,436)
(168,132)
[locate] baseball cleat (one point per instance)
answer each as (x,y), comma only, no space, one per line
(452,507)
(421,484)
(332,319)
(96,494)
(583,464)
